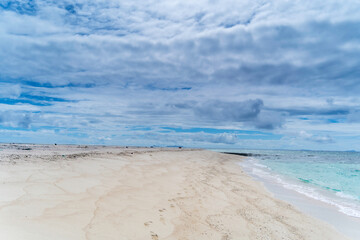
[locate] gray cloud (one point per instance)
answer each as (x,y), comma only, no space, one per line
(269,120)
(249,112)
(224,138)
(230,111)
(14,119)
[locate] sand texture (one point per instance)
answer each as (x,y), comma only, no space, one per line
(77,192)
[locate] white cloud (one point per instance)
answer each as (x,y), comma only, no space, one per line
(315,138)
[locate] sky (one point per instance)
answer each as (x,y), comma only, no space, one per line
(281,74)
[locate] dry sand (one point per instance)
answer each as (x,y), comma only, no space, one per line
(70,192)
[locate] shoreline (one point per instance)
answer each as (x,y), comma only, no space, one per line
(345,224)
(68,192)
(320,205)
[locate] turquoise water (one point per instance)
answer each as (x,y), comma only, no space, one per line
(331,177)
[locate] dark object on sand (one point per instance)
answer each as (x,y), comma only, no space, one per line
(243,154)
(26,149)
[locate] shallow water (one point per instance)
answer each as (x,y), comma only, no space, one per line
(330,177)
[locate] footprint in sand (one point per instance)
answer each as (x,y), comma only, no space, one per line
(154,236)
(147,223)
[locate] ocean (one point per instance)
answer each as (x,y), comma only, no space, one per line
(330,177)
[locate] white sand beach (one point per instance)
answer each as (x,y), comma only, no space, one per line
(78,192)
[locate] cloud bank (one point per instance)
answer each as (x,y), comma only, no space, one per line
(93,71)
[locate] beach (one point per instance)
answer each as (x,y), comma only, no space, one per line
(94,192)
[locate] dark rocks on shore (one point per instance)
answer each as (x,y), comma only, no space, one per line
(243,154)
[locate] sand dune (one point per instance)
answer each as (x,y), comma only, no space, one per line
(69,192)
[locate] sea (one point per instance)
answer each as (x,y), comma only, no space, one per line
(329,177)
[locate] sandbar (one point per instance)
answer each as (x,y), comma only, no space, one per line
(94,192)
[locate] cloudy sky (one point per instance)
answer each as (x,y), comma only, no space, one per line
(281,74)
